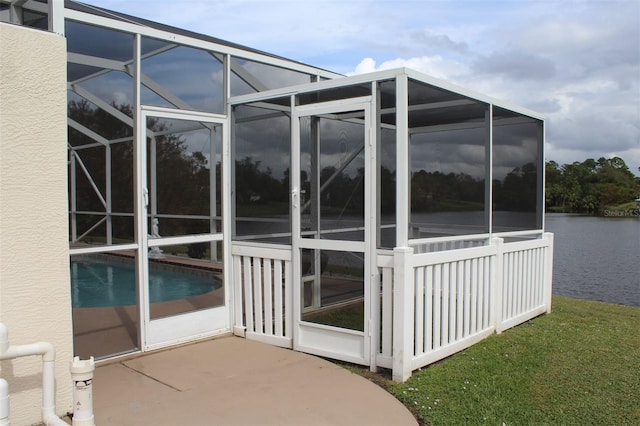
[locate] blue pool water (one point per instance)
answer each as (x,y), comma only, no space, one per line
(100,283)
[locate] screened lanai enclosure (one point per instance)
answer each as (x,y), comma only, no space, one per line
(388,219)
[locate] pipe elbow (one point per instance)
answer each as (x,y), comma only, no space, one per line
(48,351)
(44,349)
(49,418)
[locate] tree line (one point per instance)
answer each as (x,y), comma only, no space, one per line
(581,187)
(589,186)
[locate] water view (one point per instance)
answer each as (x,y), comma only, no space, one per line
(596,258)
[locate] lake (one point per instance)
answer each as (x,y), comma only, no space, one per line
(596,258)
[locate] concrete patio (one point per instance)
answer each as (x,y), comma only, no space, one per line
(234,381)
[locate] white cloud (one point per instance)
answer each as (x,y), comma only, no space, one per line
(435,66)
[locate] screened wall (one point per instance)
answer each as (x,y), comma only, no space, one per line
(474,168)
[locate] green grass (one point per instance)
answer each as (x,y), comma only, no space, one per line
(579,365)
(350,316)
(631,205)
(630,209)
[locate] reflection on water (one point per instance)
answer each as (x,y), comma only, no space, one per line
(596,258)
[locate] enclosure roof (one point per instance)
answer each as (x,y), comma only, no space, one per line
(378,76)
(111,14)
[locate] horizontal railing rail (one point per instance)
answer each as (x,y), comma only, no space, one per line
(428,245)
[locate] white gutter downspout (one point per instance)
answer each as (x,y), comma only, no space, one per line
(48,353)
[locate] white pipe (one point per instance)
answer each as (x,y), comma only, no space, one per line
(48,353)
(4,403)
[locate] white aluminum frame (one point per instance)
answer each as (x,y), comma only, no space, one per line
(335,342)
(187,326)
(135,28)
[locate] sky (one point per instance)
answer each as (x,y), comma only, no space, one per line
(577,63)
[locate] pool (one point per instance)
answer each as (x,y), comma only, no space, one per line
(97,282)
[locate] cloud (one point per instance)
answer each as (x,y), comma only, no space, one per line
(437,41)
(435,66)
(515,65)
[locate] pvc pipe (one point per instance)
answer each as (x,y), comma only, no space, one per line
(45,349)
(49,416)
(4,403)
(48,353)
(4,338)
(82,376)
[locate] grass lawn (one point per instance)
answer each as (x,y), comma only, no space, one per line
(580,365)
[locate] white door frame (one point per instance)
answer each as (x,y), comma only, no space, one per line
(171,330)
(348,345)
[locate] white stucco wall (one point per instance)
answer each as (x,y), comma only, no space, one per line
(35,301)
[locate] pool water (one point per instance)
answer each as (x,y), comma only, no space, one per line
(101,283)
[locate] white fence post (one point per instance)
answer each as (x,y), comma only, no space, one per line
(548,270)
(497,278)
(403,313)
(239,326)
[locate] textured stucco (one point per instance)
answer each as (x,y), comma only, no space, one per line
(35,301)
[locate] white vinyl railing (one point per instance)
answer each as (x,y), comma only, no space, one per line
(432,304)
(385,269)
(525,274)
(445,301)
(263,292)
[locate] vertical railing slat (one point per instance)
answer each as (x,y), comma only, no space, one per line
(429,298)
(511,284)
(268,297)
(444,322)
(540,275)
(387,310)
(453,280)
(437,306)
(248,292)
(238,292)
(467,298)
(517,307)
(497,283)
(530,281)
(419,311)
(288,300)
(257,295)
(460,296)
(277,297)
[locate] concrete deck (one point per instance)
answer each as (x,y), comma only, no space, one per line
(234,381)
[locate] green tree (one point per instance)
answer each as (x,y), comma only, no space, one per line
(590,186)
